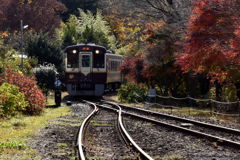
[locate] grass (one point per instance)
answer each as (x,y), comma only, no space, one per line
(187,111)
(94,157)
(17,144)
(200,113)
(62,145)
(99,123)
(171,157)
(15,132)
(65,124)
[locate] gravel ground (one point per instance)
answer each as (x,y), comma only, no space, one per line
(235,125)
(230,136)
(57,140)
(103,140)
(202,119)
(163,143)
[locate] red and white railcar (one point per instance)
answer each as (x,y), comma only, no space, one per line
(91,69)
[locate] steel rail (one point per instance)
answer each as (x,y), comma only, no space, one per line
(126,134)
(204,124)
(197,133)
(81,131)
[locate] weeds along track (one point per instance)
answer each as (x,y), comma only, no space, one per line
(102,136)
(218,134)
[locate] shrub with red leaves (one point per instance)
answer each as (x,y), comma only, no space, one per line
(27,86)
(132,68)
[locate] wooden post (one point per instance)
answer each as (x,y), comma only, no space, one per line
(212,109)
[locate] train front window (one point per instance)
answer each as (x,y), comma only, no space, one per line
(98,59)
(72,59)
(85,61)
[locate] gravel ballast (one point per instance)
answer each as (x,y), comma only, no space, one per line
(57,141)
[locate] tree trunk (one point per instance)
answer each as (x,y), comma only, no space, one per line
(218,87)
(204,84)
(237,85)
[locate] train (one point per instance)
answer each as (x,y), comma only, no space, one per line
(91,69)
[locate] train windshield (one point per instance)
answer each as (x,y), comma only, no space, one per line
(85,60)
(98,59)
(72,59)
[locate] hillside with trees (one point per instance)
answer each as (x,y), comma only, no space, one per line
(167,44)
(188,51)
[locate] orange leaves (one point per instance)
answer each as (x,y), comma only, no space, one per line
(212,43)
(125,28)
(3,34)
(28,86)
(133,69)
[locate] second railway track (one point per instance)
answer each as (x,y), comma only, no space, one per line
(217,133)
(152,139)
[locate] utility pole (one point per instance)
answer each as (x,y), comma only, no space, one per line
(21,43)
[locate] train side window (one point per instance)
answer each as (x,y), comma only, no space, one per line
(111,65)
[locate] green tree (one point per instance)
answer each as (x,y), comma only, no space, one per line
(45,49)
(73,6)
(10,57)
(87,28)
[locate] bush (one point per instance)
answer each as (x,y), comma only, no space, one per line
(27,86)
(46,76)
(131,93)
(12,100)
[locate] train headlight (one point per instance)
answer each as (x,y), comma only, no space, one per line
(74,51)
(97,51)
(71,76)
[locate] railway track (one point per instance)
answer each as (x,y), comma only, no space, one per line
(130,151)
(219,134)
(195,128)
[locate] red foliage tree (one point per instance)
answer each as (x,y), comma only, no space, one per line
(212,41)
(27,86)
(133,69)
(38,14)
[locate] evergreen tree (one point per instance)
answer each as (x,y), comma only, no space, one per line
(45,49)
(87,28)
(74,5)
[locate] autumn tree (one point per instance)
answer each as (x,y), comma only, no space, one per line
(159,58)
(155,67)
(128,32)
(211,42)
(38,14)
(171,11)
(133,70)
